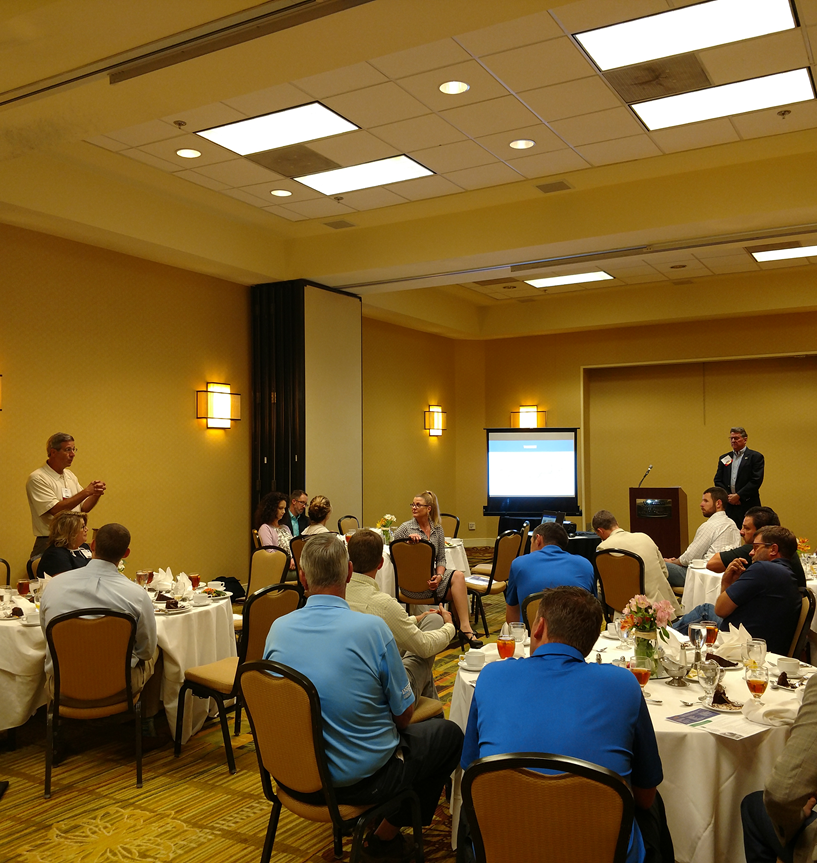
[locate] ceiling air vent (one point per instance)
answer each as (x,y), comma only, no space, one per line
(558,186)
(296,160)
(341,223)
(664,77)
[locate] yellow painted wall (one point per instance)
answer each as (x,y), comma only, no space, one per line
(111,349)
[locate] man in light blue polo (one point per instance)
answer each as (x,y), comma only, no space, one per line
(366,699)
(547,565)
(558,703)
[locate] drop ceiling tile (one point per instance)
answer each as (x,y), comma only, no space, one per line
(620,150)
(352,148)
(107,143)
(732,264)
(425,187)
(589,14)
(318,208)
(688,271)
(420,59)
(510,34)
(146,133)
(705,253)
(546,164)
(500,143)
(418,133)
(484,175)
(671,256)
(217,114)
(583,96)
(807,11)
(238,172)
(761,123)
(371,199)
(426,87)
(751,58)
(210,153)
(695,135)
(298,190)
(343,80)
(284,213)
(512,291)
(625,270)
(539,65)
(148,159)
(495,115)
(268,100)
(202,180)
(241,195)
(599,126)
(376,106)
(452,157)
(640,280)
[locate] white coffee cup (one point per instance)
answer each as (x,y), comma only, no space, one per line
(33,615)
(218,586)
(475,658)
(200,599)
(789,665)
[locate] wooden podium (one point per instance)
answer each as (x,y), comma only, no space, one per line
(660,512)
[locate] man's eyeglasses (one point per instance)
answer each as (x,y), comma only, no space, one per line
(70,450)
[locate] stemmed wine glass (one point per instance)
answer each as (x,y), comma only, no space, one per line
(697,636)
(756,651)
(708,675)
(757,680)
(622,632)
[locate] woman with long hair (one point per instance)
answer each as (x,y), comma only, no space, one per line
(67,548)
(267,521)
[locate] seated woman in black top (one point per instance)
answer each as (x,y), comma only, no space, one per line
(66,548)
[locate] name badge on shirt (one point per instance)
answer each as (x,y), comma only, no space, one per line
(727,460)
(86,552)
(66,493)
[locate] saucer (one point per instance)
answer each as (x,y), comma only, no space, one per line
(461,664)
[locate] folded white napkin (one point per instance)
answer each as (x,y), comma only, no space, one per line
(781,714)
(672,647)
(182,586)
(729,645)
(162,580)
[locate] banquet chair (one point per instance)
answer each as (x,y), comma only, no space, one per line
(285,715)
(269,565)
(529,609)
(413,567)
(485,569)
(506,549)
(547,820)
(801,631)
(622,577)
(91,652)
(31,567)
(348,523)
(295,547)
(450,523)
(523,545)
(256,540)
(220,680)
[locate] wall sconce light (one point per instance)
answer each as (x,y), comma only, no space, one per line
(529,417)
(434,420)
(218,406)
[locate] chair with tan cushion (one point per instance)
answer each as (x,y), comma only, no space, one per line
(268,566)
(413,567)
(622,577)
(546,818)
(295,547)
(348,523)
(219,680)
(506,548)
(450,523)
(91,652)
(801,631)
(529,609)
(285,715)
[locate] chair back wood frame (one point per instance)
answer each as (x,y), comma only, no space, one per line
(801,631)
(269,565)
(449,521)
(621,574)
(529,608)
(279,700)
(99,633)
(413,566)
(506,548)
(520,835)
(296,545)
(353,521)
(262,608)
(525,531)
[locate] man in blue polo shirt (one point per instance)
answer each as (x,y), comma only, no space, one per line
(548,565)
(366,699)
(561,704)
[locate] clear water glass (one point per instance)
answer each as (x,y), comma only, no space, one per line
(709,674)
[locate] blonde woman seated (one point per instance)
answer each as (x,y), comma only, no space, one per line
(267,522)
(67,549)
(318,512)
(447,585)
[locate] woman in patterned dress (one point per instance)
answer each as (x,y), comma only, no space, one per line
(268,514)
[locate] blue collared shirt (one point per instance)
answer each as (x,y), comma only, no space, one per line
(353,661)
(555,702)
(550,567)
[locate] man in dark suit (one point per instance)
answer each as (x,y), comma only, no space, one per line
(740,472)
(295,517)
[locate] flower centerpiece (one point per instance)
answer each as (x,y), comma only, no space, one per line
(646,621)
(803,545)
(121,565)
(384,524)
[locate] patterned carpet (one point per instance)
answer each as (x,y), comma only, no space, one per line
(190,809)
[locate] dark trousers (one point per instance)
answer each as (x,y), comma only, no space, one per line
(431,751)
(760,842)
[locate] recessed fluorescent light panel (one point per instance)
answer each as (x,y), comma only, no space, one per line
(717,22)
(391,170)
(726,100)
(293,126)
(575,279)
(783,254)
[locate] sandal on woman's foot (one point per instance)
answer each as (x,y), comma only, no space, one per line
(399,848)
(471,639)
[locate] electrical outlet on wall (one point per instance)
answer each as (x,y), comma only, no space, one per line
(472,526)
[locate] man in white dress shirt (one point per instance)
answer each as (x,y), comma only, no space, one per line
(717,534)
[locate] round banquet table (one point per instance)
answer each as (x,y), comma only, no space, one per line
(22,672)
(701,586)
(706,776)
(455,558)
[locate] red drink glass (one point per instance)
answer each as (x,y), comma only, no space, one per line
(23,587)
(506,646)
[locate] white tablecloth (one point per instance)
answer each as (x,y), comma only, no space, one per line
(455,558)
(22,675)
(706,776)
(701,586)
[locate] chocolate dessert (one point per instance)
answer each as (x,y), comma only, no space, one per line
(719,697)
(162,597)
(783,681)
(17,612)
(722,661)
(171,603)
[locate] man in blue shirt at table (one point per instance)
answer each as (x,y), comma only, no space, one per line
(366,699)
(555,702)
(548,565)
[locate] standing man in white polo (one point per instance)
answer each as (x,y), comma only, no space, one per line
(53,488)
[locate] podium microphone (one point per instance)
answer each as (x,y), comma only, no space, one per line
(645,476)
